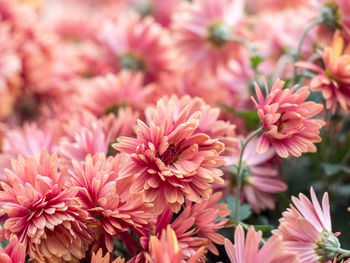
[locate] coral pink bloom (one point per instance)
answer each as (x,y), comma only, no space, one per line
(111,92)
(334,80)
(139,45)
(42,214)
(167,250)
(98,258)
(106,196)
(14,252)
(285,116)
(261,177)
(307,229)
(88,135)
(171,158)
(246,250)
(203,31)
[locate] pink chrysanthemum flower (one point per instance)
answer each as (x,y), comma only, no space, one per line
(138,44)
(167,249)
(306,229)
(42,214)
(171,159)
(246,249)
(203,32)
(111,92)
(261,179)
(106,197)
(14,252)
(88,135)
(334,80)
(98,258)
(285,116)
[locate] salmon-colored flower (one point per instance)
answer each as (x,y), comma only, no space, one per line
(14,252)
(246,249)
(41,213)
(171,157)
(203,32)
(334,79)
(105,195)
(167,250)
(139,45)
(98,258)
(285,117)
(306,229)
(261,179)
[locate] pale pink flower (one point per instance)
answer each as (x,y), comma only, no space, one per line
(334,79)
(105,195)
(261,179)
(306,229)
(171,158)
(41,213)
(246,249)
(203,30)
(138,44)
(98,258)
(285,117)
(112,92)
(14,252)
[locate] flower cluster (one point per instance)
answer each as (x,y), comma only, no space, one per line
(148,131)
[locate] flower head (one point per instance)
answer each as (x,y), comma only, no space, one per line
(306,229)
(41,213)
(171,158)
(246,249)
(285,116)
(14,252)
(333,81)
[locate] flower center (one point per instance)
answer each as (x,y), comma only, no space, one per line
(131,62)
(171,155)
(327,246)
(330,15)
(219,33)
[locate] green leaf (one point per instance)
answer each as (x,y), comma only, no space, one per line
(255,61)
(250,117)
(244,210)
(332,169)
(4,243)
(263,228)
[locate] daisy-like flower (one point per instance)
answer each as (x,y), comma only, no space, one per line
(285,116)
(110,93)
(203,32)
(98,258)
(138,44)
(167,250)
(106,197)
(246,249)
(14,252)
(171,159)
(306,229)
(334,80)
(41,213)
(261,179)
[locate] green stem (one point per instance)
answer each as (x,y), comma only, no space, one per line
(245,42)
(302,38)
(344,253)
(238,181)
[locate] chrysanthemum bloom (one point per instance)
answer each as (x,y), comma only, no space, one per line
(107,198)
(14,252)
(246,249)
(306,229)
(203,32)
(170,158)
(285,117)
(334,80)
(98,258)
(138,44)
(112,92)
(88,135)
(42,214)
(167,250)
